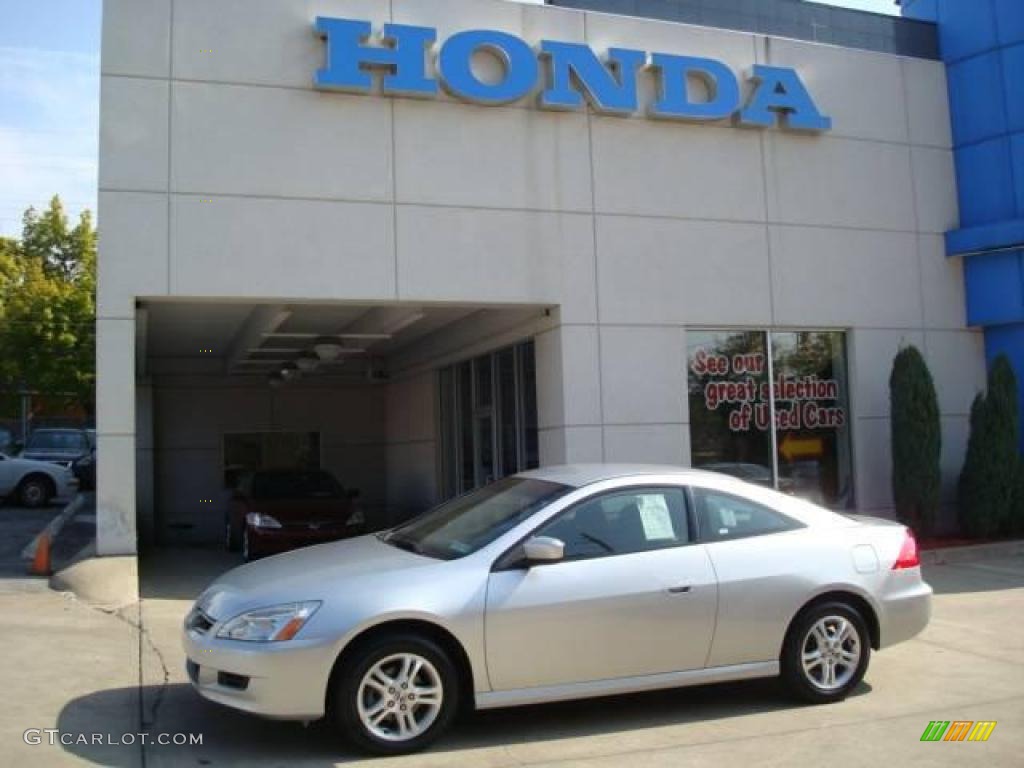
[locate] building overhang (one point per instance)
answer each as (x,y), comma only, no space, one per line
(999,236)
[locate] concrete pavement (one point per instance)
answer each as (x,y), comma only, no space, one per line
(968,665)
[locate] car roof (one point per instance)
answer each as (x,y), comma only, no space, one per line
(578,475)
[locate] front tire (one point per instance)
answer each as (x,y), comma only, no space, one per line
(395,694)
(826,653)
(34,492)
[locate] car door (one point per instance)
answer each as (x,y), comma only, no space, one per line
(633,595)
(765,571)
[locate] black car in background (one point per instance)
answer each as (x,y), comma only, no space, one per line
(58,446)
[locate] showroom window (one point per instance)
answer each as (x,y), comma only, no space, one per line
(246,452)
(488,418)
(793,435)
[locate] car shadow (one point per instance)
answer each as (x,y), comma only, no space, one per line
(233,737)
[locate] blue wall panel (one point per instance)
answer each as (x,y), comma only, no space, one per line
(994,286)
(1013,85)
(985,182)
(976,98)
(966,27)
(1017,153)
(923,10)
(1010,21)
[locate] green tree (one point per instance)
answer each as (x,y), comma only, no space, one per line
(48,306)
(916,437)
(989,481)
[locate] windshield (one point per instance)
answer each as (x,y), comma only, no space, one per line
(279,486)
(467,523)
(57,441)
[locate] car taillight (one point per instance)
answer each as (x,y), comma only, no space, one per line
(908,556)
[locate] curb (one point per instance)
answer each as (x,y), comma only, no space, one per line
(53,527)
(972,553)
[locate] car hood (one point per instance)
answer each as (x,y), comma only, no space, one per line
(24,463)
(51,455)
(311,573)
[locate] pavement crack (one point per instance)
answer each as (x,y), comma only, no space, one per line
(146,637)
(122,614)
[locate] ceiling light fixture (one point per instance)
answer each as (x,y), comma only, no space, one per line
(328,348)
(307,362)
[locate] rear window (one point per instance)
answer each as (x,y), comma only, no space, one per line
(295,485)
(57,441)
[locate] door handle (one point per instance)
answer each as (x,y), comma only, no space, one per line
(680,590)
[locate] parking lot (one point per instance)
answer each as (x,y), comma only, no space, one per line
(968,665)
(20,525)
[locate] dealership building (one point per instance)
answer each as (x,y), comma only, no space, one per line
(423,245)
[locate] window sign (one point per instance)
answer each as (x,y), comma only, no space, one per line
(781,421)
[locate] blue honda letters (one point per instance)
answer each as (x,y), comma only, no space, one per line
(566,73)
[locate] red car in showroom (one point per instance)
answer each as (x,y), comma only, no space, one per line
(277,510)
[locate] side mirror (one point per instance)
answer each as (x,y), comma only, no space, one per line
(544,549)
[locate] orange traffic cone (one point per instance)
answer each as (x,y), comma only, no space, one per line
(41,562)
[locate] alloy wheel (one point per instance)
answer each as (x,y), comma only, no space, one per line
(400,697)
(831,652)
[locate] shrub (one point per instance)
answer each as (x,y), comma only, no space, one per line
(992,468)
(916,441)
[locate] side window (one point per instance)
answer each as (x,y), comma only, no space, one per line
(622,522)
(724,516)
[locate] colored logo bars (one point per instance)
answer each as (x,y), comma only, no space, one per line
(958,730)
(570,72)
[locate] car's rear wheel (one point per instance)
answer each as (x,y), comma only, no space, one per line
(395,694)
(34,492)
(826,653)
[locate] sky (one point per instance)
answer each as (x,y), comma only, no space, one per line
(49,102)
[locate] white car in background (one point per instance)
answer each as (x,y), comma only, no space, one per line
(34,483)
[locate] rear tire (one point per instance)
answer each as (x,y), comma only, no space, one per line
(826,653)
(394,694)
(34,492)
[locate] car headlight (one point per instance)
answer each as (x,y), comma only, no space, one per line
(356,518)
(259,520)
(269,625)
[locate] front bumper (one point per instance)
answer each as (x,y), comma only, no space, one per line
(286,680)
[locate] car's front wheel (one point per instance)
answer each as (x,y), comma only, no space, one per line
(826,653)
(34,492)
(395,694)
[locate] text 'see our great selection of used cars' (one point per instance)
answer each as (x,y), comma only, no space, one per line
(559,583)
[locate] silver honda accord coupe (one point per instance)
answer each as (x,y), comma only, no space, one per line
(555,584)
